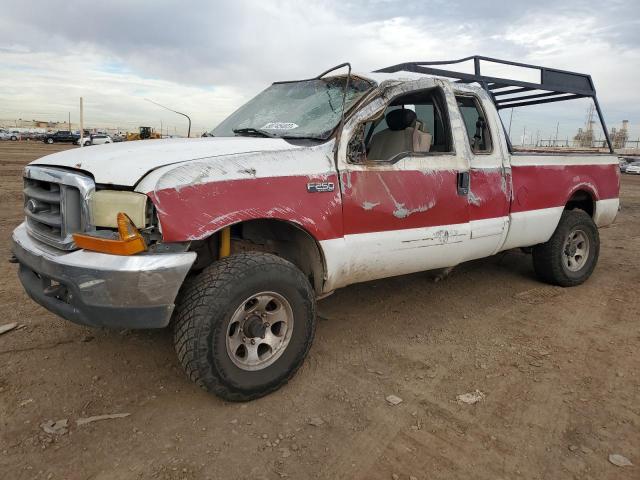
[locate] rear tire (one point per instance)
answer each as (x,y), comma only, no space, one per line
(223,320)
(571,254)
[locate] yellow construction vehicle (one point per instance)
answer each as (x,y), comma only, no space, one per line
(143,134)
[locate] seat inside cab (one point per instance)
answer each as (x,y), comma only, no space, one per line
(411,124)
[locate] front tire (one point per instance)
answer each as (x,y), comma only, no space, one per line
(244,325)
(49,141)
(571,254)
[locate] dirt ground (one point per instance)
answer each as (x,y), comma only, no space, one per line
(560,370)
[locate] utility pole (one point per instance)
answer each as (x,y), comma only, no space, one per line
(556,140)
(69,121)
(174,111)
(81,124)
(510,120)
(524,136)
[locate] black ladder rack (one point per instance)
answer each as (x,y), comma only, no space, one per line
(554,86)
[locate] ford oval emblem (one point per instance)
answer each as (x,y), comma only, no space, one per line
(32,206)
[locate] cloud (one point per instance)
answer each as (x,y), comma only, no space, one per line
(206,58)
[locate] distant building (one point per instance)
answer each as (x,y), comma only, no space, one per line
(619,137)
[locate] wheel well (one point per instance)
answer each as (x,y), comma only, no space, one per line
(582,200)
(279,237)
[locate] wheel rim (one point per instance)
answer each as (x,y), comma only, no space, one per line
(576,250)
(259,331)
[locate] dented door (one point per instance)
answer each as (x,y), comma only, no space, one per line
(405,217)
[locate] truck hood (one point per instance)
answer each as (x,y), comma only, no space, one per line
(126,163)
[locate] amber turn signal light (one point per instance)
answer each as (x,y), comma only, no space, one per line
(129,243)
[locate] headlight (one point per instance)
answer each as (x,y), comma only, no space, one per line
(106,204)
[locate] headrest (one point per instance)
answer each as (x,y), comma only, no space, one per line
(400,119)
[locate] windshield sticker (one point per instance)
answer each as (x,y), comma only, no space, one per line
(280,126)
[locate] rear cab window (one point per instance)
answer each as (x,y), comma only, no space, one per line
(476,124)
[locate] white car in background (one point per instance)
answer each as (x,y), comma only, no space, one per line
(7,135)
(633,168)
(95,139)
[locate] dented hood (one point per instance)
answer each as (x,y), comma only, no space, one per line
(126,163)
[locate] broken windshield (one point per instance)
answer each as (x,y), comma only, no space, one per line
(306,109)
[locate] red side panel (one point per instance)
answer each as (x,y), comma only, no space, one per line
(374,201)
(489,195)
(384,200)
(196,211)
(546,186)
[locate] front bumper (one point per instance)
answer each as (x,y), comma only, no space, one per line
(98,289)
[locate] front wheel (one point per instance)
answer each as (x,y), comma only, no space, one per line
(571,254)
(244,325)
(49,141)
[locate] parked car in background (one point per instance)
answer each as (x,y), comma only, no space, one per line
(118,137)
(623,165)
(36,136)
(95,139)
(8,135)
(61,136)
(633,168)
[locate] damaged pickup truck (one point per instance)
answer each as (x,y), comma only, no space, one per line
(311,186)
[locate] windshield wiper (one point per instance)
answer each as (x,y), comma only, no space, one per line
(253,132)
(303,137)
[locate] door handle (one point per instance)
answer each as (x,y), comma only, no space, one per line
(463,183)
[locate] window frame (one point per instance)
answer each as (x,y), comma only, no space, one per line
(442,106)
(478,103)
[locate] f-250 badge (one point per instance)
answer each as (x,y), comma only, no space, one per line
(319,187)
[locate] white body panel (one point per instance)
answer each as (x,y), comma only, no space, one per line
(532,227)
(126,162)
(368,256)
(606,211)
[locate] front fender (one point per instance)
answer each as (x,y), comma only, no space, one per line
(197,211)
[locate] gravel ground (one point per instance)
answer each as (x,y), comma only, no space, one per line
(559,371)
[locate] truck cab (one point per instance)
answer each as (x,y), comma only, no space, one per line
(311,186)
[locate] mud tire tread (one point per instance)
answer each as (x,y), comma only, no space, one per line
(547,257)
(201,305)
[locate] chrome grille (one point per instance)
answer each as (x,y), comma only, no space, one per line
(56,204)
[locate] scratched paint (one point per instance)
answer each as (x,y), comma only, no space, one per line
(369,205)
(473,199)
(402,212)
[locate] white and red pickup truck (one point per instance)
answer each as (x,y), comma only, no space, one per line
(311,186)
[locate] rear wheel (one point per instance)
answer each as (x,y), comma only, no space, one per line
(571,255)
(244,325)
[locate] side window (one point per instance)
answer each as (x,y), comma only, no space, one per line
(415,123)
(475,123)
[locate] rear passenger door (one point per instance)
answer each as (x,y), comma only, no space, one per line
(490,182)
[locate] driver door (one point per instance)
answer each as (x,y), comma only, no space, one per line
(408,212)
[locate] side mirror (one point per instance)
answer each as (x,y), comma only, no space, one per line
(356,149)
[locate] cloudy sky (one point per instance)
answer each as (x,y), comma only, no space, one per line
(208,57)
